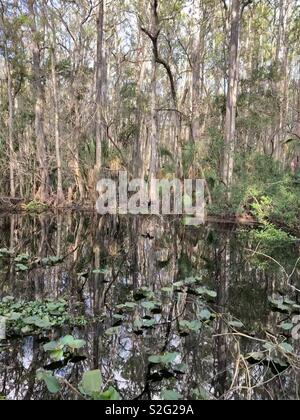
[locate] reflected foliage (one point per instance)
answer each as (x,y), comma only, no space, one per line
(159,310)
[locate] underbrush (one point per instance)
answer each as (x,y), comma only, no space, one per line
(263,190)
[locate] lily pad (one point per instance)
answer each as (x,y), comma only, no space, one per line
(170,395)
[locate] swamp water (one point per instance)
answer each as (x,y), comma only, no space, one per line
(166,310)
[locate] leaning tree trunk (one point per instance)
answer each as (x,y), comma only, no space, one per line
(232,94)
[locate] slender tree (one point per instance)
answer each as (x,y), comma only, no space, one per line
(101,78)
(39,98)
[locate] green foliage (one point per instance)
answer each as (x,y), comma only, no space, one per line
(64,68)
(188,157)
(164,359)
(201,394)
(58,349)
(23,19)
(165,153)
(113,331)
(51,261)
(34,317)
(262,189)
(90,387)
(91,383)
(143,293)
(284,305)
(213,157)
(111,394)
(273,356)
(236,324)
(188,326)
(260,205)
(4,253)
(35,207)
(52,383)
(24,263)
(104,271)
(170,395)
(286,211)
(137,315)
(270,238)
(151,306)
(204,291)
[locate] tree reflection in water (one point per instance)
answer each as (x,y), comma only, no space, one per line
(107,258)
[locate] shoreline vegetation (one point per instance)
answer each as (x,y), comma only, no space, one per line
(8,205)
(65,293)
(210,91)
(19,206)
(179,89)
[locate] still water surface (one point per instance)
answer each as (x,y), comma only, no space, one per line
(130,255)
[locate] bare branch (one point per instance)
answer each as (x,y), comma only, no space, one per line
(245,4)
(159,60)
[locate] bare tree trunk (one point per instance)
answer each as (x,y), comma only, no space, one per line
(11,109)
(232,94)
(60,194)
(282,58)
(76,158)
(154,116)
(76,127)
(100,83)
(139,163)
(39,93)
(196,56)
(154,122)
(10,127)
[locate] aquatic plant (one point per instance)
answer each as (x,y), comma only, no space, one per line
(29,318)
(90,387)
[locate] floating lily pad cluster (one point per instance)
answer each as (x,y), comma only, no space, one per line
(145,303)
(28,318)
(142,311)
(285,305)
(194,286)
(23,262)
(165,366)
(5,253)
